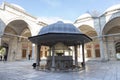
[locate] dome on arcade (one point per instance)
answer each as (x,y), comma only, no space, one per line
(60,27)
(86,15)
(114,7)
(17,6)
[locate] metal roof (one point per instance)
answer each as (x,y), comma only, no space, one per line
(59,27)
(65,33)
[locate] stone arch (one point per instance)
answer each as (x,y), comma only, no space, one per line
(15,24)
(19,18)
(112,16)
(112,12)
(15,35)
(112,26)
(111,32)
(88,30)
(92,48)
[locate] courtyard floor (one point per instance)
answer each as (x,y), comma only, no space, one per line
(95,70)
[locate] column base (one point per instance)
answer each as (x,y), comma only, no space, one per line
(104,60)
(52,69)
(37,68)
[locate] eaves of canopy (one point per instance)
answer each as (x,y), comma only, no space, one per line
(67,34)
(53,38)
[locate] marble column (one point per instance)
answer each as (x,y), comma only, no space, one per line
(93,50)
(28,52)
(81,58)
(33,51)
(107,48)
(43,52)
(78,51)
(53,59)
(38,57)
(101,49)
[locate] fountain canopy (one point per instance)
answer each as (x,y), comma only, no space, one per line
(65,33)
(59,36)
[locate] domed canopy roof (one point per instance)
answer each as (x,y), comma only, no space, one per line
(59,27)
(61,32)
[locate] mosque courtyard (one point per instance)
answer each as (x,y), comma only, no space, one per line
(95,70)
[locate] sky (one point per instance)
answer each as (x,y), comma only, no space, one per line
(68,10)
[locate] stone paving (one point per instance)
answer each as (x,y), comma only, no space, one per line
(95,70)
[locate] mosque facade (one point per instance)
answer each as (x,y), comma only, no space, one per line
(16,25)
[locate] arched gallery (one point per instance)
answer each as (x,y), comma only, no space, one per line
(16,25)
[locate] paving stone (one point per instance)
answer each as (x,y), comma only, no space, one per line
(22,70)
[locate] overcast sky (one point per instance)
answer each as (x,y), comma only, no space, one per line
(63,9)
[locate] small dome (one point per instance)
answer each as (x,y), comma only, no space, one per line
(84,16)
(19,7)
(59,27)
(113,8)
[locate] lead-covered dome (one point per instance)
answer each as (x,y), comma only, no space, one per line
(17,6)
(59,27)
(86,15)
(114,7)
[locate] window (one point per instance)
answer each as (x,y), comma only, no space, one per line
(89,53)
(97,53)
